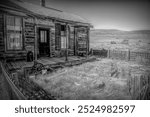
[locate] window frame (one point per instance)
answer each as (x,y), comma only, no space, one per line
(7,32)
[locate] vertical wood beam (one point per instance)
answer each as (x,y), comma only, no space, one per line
(76,41)
(5,33)
(88,40)
(35,40)
(50,33)
(67,42)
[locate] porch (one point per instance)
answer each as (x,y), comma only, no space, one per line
(48,62)
(19,73)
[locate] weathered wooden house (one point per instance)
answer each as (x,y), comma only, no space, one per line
(29,29)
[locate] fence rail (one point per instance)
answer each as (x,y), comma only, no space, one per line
(143,57)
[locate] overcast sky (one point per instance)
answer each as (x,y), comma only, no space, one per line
(107,14)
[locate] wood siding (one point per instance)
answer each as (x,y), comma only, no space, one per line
(52,41)
(71,41)
(2,44)
(29,34)
(81,40)
(57,37)
(77,38)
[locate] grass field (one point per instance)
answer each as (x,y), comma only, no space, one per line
(102,79)
(115,39)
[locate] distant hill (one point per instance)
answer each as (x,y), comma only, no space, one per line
(117,32)
(141,31)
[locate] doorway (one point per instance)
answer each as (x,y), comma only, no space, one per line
(44,45)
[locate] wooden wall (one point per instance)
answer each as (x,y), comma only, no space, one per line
(2,47)
(31,27)
(71,41)
(29,34)
(78,37)
(57,37)
(81,40)
(52,41)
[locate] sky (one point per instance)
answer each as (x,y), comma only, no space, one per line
(107,14)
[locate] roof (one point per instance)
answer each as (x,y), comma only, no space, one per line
(46,12)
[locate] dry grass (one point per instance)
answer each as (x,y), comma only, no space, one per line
(89,81)
(134,41)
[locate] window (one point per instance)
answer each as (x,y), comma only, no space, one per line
(43,36)
(63,42)
(63,37)
(14,32)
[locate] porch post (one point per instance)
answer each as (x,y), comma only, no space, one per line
(35,39)
(35,45)
(67,42)
(87,41)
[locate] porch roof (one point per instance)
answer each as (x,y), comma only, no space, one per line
(46,12)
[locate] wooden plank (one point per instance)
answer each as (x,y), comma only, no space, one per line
(57,60)
(20,63)
(28,64)
(45,62)
(57,36)
(74,58)
(49,61)
(9,66)
(14,65)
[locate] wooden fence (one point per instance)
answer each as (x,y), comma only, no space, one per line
(142,57)
(100,53)
(115,54)
(139,86)
(139,83)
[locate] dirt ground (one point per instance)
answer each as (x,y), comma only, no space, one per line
(103,79)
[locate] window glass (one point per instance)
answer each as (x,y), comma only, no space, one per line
(63,37)
(43,36)
(14,33)
(63,42)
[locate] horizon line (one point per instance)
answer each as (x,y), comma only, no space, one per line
(120,29)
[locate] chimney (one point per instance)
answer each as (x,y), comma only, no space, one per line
(42,3)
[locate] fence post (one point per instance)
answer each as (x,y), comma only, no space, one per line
(128,55)
(108,54)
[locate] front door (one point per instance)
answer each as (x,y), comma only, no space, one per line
(44,49)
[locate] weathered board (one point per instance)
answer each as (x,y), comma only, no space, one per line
(52,41)
(29,34)
(71,41)
(82,39)
(57,36)
(2,49)
(44,22)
